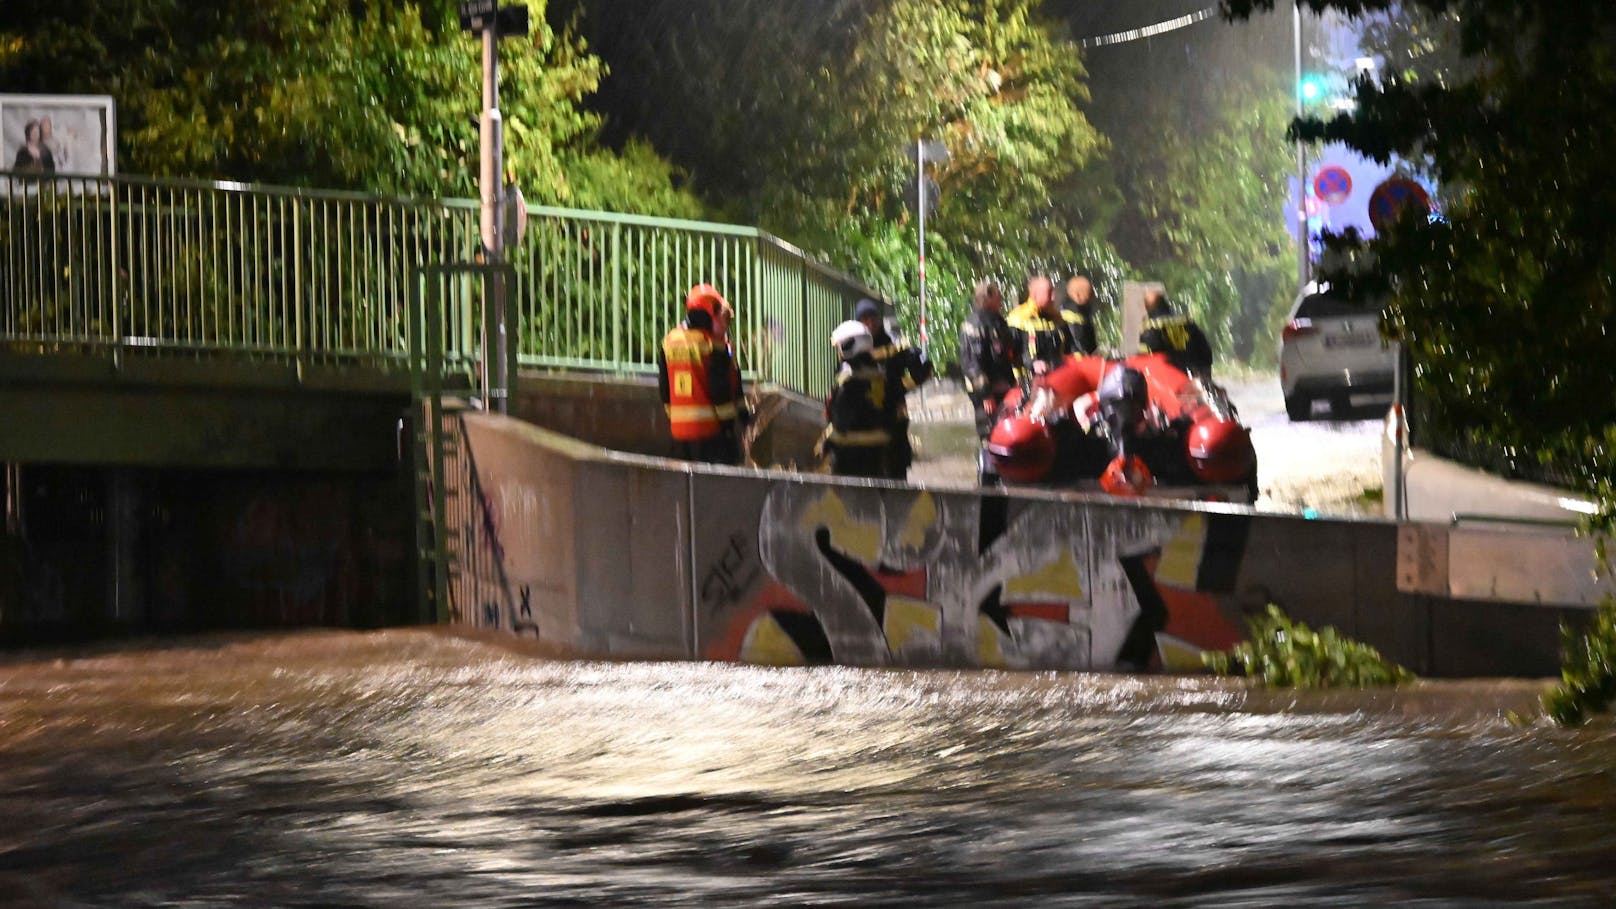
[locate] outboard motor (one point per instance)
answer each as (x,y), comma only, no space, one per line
(1124,400)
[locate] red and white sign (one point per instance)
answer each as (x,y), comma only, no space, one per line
(1333,185)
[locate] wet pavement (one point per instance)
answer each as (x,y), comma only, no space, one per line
(422,767)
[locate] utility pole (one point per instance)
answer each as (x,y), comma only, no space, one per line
(493,22)
(926,151)
(920,194)
(1302,257)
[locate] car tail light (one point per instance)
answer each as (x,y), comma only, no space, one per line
(1297,328)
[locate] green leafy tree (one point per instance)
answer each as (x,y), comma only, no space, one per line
(1506,302)
(1194,187)
(380,96)
(804,118)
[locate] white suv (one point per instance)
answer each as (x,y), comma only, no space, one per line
(1331,349)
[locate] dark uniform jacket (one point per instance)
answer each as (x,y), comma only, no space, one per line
(862,415)
(1177,336)
(1083,322)
(1046,338)
(987,354)
(905,369)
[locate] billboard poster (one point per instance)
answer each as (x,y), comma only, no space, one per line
(60,135)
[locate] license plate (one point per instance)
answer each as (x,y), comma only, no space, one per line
(1350,340)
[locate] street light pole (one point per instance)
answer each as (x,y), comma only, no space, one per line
(920,194)
(1302,258)
(492,127)
(493,22)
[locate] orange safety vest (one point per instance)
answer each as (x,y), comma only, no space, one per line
(692,415)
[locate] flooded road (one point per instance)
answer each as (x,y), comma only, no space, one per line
(418,767)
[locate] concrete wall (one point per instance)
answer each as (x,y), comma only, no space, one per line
(611,554)
(625,414)
(1483,538)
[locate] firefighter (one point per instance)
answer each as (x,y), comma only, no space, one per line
(1177,336)
(905,369)
(987,355)
(861,412)
(1046,334)
(699,384)
(1080,296)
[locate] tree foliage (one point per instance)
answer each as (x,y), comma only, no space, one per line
(1193,188)
(378,96)
(1283,653)
(1506,302)
(803,117)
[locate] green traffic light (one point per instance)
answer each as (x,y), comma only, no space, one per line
(1312,88)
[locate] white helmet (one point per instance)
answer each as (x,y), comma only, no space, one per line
(851,338)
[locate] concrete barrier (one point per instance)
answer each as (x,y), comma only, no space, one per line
(605,553)
(1480,537)
(625,414)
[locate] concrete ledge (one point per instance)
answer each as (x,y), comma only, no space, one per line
(635,556)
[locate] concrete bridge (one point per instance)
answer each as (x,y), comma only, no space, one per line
(231,406)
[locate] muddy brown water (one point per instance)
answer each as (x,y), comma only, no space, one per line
(428,768)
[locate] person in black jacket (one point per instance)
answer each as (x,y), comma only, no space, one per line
(906,369)
(987,355)
(860,410)
(1177,336)
(1080,300)
(1046,333)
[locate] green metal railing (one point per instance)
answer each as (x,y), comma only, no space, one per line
(210,268)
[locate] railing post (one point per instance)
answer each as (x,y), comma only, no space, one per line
(617,297)
(298,344)
(802,327)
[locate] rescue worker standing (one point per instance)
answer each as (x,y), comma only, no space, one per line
(1167,332)
(860,411)
(699,384)
(1080,293)
(987,355)
(905,370)
(1046,333)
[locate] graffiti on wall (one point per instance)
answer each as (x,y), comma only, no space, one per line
(905,577)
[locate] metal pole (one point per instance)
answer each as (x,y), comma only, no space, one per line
(1302,262)
(495,381)
(920,196)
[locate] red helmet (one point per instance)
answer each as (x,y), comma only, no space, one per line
(1220,451)
(705,298)
(1126,477)
(1021,449)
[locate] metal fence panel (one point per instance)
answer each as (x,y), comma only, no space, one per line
(194,268)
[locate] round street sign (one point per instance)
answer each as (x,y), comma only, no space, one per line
(1390,197)
(1333,185)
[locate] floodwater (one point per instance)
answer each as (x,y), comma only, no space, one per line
(428,768)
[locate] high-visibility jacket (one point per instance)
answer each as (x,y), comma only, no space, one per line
(696,384)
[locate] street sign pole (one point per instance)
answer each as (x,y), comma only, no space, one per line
(1302,258)
(492,22)
(496,384)
(920,194)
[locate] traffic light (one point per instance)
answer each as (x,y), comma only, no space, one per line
(1311,88)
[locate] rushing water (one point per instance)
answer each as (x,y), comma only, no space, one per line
(418,767)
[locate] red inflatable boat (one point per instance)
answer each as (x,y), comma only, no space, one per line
(1134,426)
